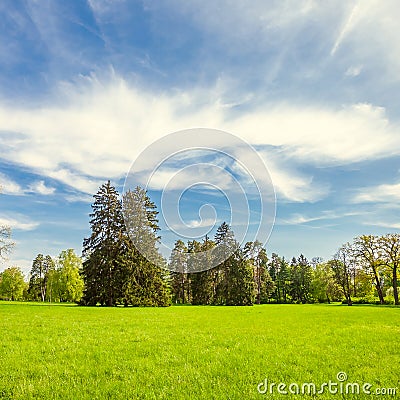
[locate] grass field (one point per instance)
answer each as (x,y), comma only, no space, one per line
(70,352)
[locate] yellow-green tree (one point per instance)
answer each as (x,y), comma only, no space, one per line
(12,284)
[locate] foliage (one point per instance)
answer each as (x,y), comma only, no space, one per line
(118,267)
(145,283)
(101,271)
(42,268)
(65,283)
(12,284)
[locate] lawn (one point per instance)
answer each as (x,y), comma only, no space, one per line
(190,352)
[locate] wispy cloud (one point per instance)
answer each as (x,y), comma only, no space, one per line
(298,218)
(10,187)
(201,223)
(39,187)
(385,193)
(20,222)
(382,224)
(350,22)
(99,129)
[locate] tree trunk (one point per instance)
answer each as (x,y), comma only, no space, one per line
(395,291)
(378,286)
(349,302)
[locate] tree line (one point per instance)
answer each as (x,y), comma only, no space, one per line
(364,271)
(50,279)
(113,272)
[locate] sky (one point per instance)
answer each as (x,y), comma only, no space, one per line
(313,87)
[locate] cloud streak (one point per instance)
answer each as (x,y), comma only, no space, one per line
(98,129)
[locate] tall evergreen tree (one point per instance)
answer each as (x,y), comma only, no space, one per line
(300,280)
(283,279)
(146,282)
(241,287)
(202,283)
(101,270)
(234,276)
(180,279)
(226,246)
(256,254)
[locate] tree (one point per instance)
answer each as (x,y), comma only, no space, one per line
(257,255)
(180,280)
(39,275)
(101,271)
(300,277)
(202,283)
(6,244)
(283,279)
(234,278)
(12,284)
(280,275)
(324,286)
(390,253)
(226,246)
(367,251)
(341,265)
(241,288)
(68,283)
(145,282)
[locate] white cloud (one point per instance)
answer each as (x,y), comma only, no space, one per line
(383,224)
(19,222)
(315,134)
(95,131)
(349,24)
(360,31)
(385,193)
(295,187)
(8,186)
(79,198)
(201,223)
(354,71)
(297,218)
(39,187)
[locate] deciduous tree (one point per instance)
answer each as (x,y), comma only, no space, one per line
(12,284)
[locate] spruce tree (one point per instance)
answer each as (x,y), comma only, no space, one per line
(180,279)
(256,254)
(234,276)
(146,283)
(101,270)
(226,245)
(201,282)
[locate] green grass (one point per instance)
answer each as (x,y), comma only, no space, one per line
(70,352)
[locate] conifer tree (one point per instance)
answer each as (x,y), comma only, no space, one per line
(256,254)
(234,277)
(146,282)
(101,270)
(180,279)
(202,282)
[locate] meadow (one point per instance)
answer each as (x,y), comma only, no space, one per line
(192,352)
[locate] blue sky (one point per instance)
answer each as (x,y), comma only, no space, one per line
(86,86)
